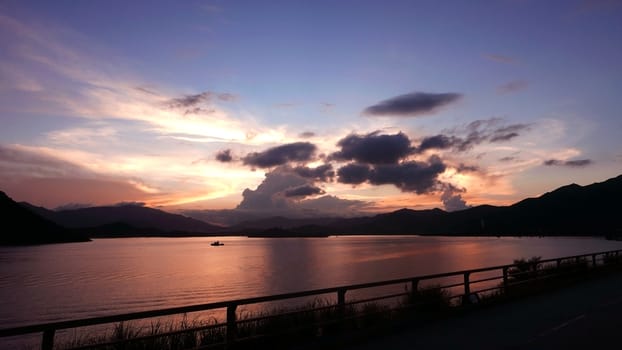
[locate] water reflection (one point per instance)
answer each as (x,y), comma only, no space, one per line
(45,283)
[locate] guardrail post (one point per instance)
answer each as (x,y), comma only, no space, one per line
(467,289)
(47,343)
(414,291)
(559,263)
(341,301)
(505,279)
(232,325)
(593,260)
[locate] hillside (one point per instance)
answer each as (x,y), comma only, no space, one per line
(23,227)
(126,220)
(568,210)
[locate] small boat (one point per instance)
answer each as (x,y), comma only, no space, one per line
(216,243)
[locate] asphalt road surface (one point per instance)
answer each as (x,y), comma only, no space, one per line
(587,315)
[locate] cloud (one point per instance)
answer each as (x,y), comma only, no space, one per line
(413,104)
(437,142)
(332,205)
(304,191)
(512,86)
(322,173)
(191,104)
(72,206)
(373,148)
(579,163)
(500,58)
(353,174)
(452,198)
(306,134)
(18,161)
(224,156)
(293,152)
(411,176)
(463,168)
(188,101)
(507,159)
(281,191)
(479,131)
(269,194)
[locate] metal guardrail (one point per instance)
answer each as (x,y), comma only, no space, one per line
(508,277)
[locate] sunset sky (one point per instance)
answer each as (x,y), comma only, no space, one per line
(307,107)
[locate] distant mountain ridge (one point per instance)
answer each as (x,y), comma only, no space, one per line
(22,227)
(568,210)
(126,220)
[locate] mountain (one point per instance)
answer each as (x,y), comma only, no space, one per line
(568,210)
(126,220)
(23,227)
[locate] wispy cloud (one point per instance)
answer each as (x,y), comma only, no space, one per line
(577,163)
(412,104)
(512,86)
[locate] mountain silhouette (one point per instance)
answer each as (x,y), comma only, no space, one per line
(590,210)
(126,220)
(568,210)
(22,226)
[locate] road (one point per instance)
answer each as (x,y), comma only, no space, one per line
(582,316)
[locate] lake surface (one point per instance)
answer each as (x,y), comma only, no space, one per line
(109,276)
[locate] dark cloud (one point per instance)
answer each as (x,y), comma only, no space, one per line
(437,142)
(570,163)
(353,173)
(479,131)
(322,173)
(304,191)
(413,104)
(500,58)
(512,86)
(224,156)
(503,137)
(411,176)
(191,104)
(293,152)
(507,159)
(452,198)
(373,148)
(306,134)
(507,133)
(579,162)
(189,100)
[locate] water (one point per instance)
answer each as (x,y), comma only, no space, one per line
(109,276)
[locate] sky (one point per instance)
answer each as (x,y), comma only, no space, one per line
(306,108)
